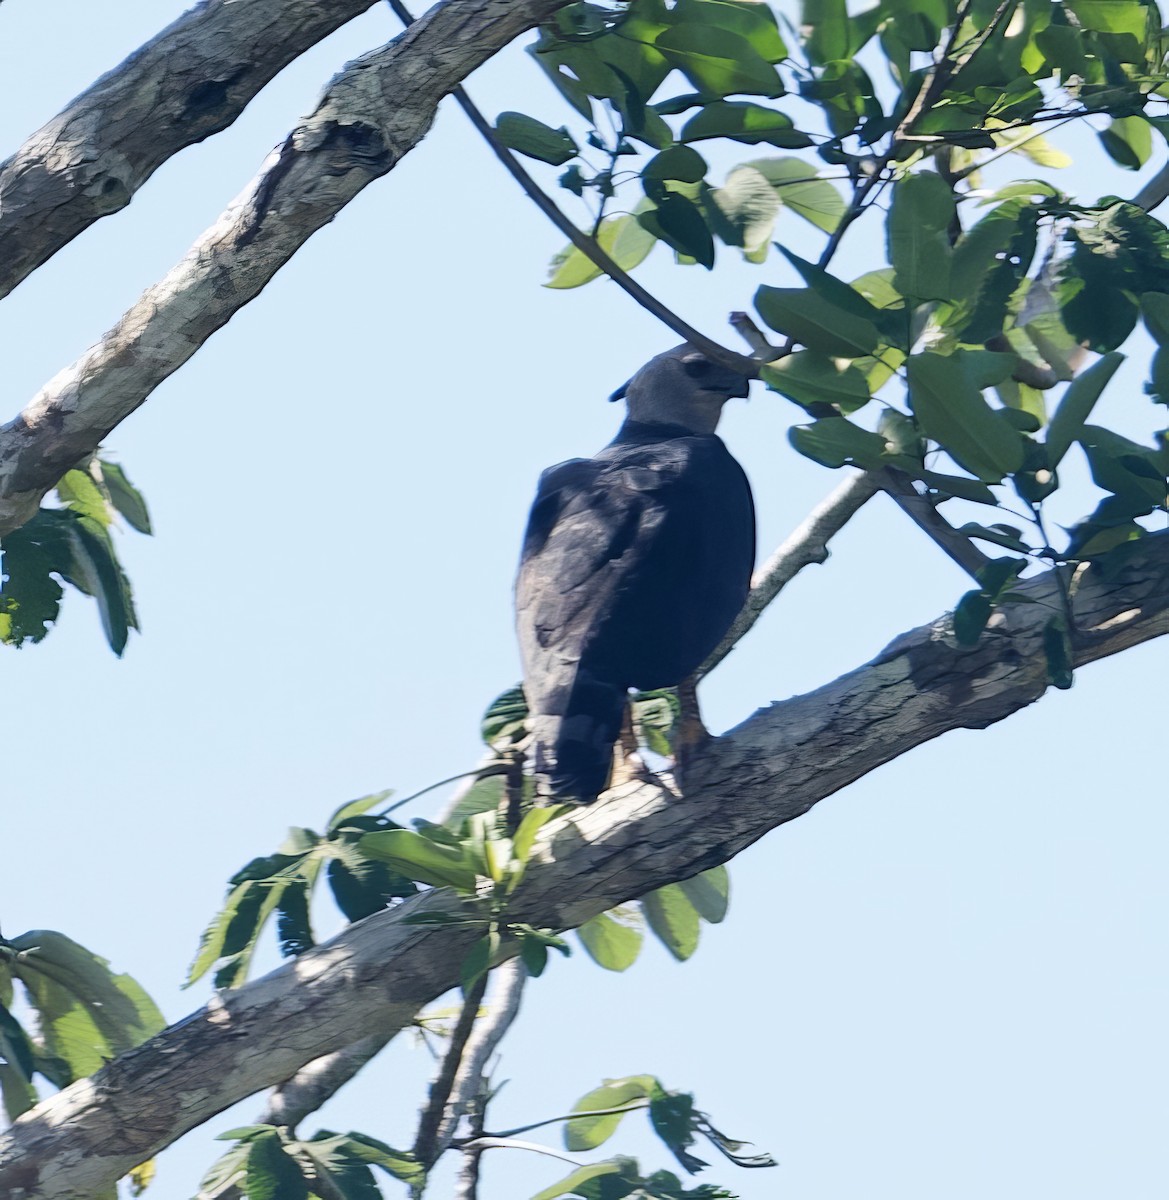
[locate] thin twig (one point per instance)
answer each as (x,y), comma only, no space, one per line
(922,512)
(426,1143)
(488,1143)
(617,1109)
(586,245)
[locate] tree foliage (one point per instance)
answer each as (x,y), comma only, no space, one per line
(970,363)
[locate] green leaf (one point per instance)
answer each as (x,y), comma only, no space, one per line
(675,1120)
(971,616)
(1128,141)
(125,497)
(1155,310)
(742,212)
(673,918)
(709,893)
(744,121)
(79,492)
(16,1093)
(335,1165)
(94,569)
(587,1133)
(749,20)
(479,960)
(835,442)
(1057,649)
(797,186)
(231,1168)
(813,321)
(535,139)
(678,162)
(294,930)
(918,241)
(950,409)
(811,378)
(271,1173)
(571,1185)
(613,939)
(419,858)
(679,223)
(1076,405)
(30,598)
(534,954)
(525,836)
(503,722)
(827,24)
(718,62)
(623,238)
(1006,536)
(401,1164)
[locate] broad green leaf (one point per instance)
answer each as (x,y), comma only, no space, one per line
(79,491)
(1006,536)
(479,960)
(1135,474)
(623,238)
(534,954)
(294,931)
(918,241)
(30,596)
(1033,146)
(15,1047)
(227,1170)
(1155,311)
(709,893)
(810,378)
(503,722)
(529,827)
(678,221)
(401,1164)
(836,442)
(94,569)
(675,1120)
(952,411)
(719,63)
(271,1173)
(797,186)
(827,24)
(613,939)
(744,121)
(957,485)
(682,163)
(571,1185)
(1128,141)
(356,808)
(16,1093)
(754,22)
(419,858)
(587,1133)
(673,918)
(535,139)
(125,497)
(337,1167)
(806,316)
(1076,405)
(361,886)
(742,212)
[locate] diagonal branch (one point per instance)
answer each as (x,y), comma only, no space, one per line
(187,83)
(807,544)
(375,975)
(373,113)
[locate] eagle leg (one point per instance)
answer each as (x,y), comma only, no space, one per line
(691,736)
(627,762)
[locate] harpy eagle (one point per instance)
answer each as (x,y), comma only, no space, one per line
(634,564)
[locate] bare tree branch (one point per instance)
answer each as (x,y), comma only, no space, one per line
(375,975)
(189,82)
(507,991)
(372,114)
(807,544)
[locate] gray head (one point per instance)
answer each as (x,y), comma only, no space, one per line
(681,387)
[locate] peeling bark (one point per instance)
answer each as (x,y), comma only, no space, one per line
(375,975)
(191,81)
(370,117)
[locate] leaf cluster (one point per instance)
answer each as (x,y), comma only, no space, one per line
(72,543)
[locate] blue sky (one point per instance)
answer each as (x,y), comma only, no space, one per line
(948,980)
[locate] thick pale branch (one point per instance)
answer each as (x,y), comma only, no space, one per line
(372,114)
(375,975)
(189,82)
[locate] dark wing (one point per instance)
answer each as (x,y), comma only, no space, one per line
(583,549)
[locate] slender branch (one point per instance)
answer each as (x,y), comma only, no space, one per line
(319,1081)
(638,1106)
(510,978)
(1155,192)
(585,244)
(500,1143)
(956,545)
(426,1148)
(807,544)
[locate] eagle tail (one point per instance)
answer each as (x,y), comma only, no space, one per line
(574,749)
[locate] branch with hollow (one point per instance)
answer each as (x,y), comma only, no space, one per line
(376,974)
(372,114)
(190,81)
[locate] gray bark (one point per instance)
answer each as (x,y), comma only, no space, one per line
(375,975)
(372,114)
(189,82)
